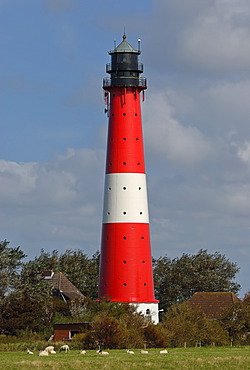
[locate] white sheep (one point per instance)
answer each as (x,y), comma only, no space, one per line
(53,352)
(65,348)
(164,351)
(29,352)
(43,353)
(144,352)
(130,352)
(101,352)
(83,352)
(49,349)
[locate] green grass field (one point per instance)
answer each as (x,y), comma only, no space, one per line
(177,358)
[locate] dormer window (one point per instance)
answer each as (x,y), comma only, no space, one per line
(48,274)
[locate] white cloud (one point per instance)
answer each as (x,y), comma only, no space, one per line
(217,39)
(244,152)
(236,199)
(169,139)
(17,180)
(55,202)
(211,36)
(229,101)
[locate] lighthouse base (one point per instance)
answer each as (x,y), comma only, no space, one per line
(149,310)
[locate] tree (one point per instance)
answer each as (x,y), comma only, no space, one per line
(236,321)
(188,326)
(10,264)
(178,279)
(246,298)
(106,331)
(22,311)
(117,325)
(81,270)
(155,336)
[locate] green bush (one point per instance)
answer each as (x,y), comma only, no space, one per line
(106,331)
(154,336)
(22,346)
(133,338)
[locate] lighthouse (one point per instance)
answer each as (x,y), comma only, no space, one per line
(126,261)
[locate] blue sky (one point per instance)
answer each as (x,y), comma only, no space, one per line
(196,57)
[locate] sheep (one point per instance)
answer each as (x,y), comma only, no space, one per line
(53,352)
(164,351)
(49,349)
(83,352)
(101,352)
(130,352)
(29,352)
(144,352)
(43,353)
(65,348)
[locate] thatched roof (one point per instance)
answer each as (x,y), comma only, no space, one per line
(212,304)
(63,288)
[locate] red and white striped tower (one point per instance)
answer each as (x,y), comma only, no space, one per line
(126,261)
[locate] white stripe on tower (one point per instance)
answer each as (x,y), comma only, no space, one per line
(125,198)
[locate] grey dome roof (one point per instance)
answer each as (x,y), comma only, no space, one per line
(124,47)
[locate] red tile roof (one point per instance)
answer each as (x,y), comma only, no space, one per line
(212,303)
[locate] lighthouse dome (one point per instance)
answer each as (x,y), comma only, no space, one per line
(125,47)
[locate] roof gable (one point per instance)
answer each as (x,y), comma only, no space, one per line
(62,285)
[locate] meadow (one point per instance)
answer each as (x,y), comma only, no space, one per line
(177,358)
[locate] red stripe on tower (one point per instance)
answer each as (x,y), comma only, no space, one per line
(126,261)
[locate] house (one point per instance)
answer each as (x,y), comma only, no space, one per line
(62,287)
(212,304)
(65,332)
(66,291)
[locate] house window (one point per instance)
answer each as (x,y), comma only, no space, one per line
(72,333)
